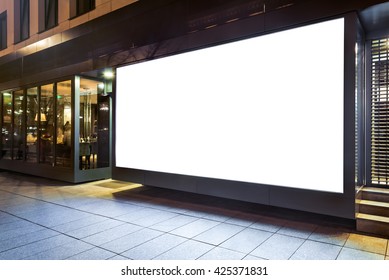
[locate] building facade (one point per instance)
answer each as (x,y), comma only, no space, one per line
(39,132)
(60,93)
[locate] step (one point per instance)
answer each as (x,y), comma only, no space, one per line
(375,194)
(373,207)
(373,224)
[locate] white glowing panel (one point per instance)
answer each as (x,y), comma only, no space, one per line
(266,110)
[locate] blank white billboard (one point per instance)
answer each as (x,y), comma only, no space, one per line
(266,110)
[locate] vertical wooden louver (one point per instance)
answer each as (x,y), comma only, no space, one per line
(380,112)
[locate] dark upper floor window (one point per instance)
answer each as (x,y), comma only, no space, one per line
(48,14)
(22,20)
(3,30)
(79,7)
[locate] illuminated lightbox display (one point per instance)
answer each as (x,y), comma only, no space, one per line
(266,110)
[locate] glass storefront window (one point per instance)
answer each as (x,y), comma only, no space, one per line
(63,145)
(18,128)
(6,130)
(38,124)
(88,121)
(46,124)
(94,124)
(32,124)
(104,115)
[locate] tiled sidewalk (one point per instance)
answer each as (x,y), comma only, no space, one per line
(45,219)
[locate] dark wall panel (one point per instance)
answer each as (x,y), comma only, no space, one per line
(171,181)
(234,190)
(11,70)
(125,174)
(317,202)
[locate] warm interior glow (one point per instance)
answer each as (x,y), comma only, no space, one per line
(43,117)
(267,110)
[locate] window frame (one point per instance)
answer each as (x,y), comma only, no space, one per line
(3,31)
(78,9)
(48,14)
(22,20)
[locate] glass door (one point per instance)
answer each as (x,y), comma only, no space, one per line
(94,125)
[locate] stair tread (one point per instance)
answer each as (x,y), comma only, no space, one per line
(372,203)
(373,217)
(376,190)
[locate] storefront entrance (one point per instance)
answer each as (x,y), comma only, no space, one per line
(60,129)
(94,115)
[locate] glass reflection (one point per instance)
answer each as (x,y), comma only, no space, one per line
(63,143)
(94,124)
(6,130)
(18,121)
(46,122)
(32,124)
(38,124)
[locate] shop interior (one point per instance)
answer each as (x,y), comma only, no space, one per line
(63,124)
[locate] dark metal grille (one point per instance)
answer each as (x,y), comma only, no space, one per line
(380,112)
